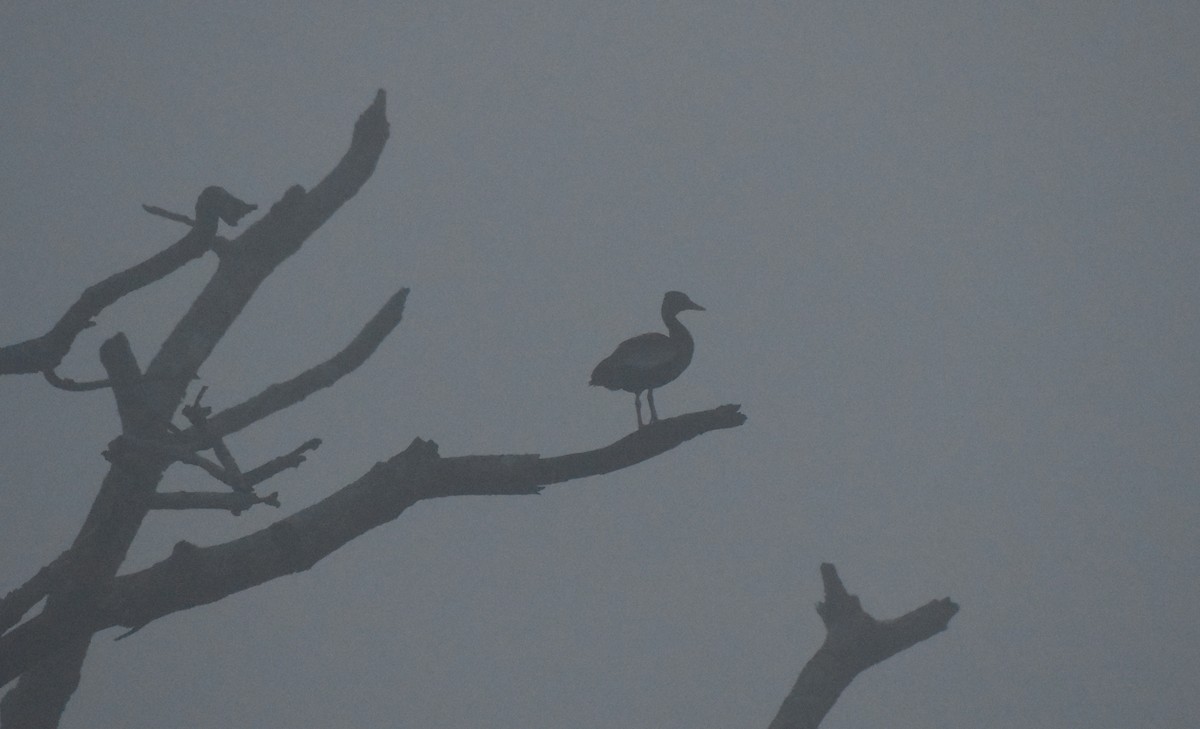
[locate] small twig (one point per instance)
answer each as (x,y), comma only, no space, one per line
(242,483)
(197,412)
(255,476)
(129,632)
(197,415)
(160,212)
(235,502)
(66,383)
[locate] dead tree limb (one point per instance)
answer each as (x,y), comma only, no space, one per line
(44,353)
(235,502)
(20,600)
(293,459)
(285,394)
(66,383)
(197,415)
(854,641)
(194,576)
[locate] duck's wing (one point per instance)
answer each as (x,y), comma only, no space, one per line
(633,359)
(644,352)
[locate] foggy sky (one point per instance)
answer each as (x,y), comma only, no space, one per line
(948,255)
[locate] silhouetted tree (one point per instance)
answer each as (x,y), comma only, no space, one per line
(83,595)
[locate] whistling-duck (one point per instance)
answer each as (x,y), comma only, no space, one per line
(650,360)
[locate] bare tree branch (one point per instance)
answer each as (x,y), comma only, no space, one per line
(235,502)
(194,576)
(18,601)
(66,383)
(238,481)
(854,642)
(47,351)
(164,213)
(285,394)
(297,542)
(123,445)
(40,697)
(255,476)
(197,415)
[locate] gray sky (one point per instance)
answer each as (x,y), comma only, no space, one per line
(948,252)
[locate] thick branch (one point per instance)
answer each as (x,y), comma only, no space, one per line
(125,378)
(854,642)
(51,647)
(285,394)
(19,601)
(39,698)
(198,575)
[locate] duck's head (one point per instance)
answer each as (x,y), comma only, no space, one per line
(677,301)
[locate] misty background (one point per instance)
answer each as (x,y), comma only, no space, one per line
(948,254)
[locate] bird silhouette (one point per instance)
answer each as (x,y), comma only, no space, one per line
(650,360)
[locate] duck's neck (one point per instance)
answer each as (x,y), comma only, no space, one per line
(676,330)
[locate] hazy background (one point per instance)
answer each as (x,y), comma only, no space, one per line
(949,256)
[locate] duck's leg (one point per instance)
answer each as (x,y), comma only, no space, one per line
(637,404)
(653,412)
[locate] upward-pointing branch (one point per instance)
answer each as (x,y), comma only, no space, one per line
(285,394)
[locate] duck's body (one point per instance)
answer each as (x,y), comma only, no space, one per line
(650,360)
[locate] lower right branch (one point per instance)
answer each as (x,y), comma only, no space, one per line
(854,641)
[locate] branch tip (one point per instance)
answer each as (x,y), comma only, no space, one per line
(164,213)
(216,203)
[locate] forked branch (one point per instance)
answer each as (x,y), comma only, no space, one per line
(854,641)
